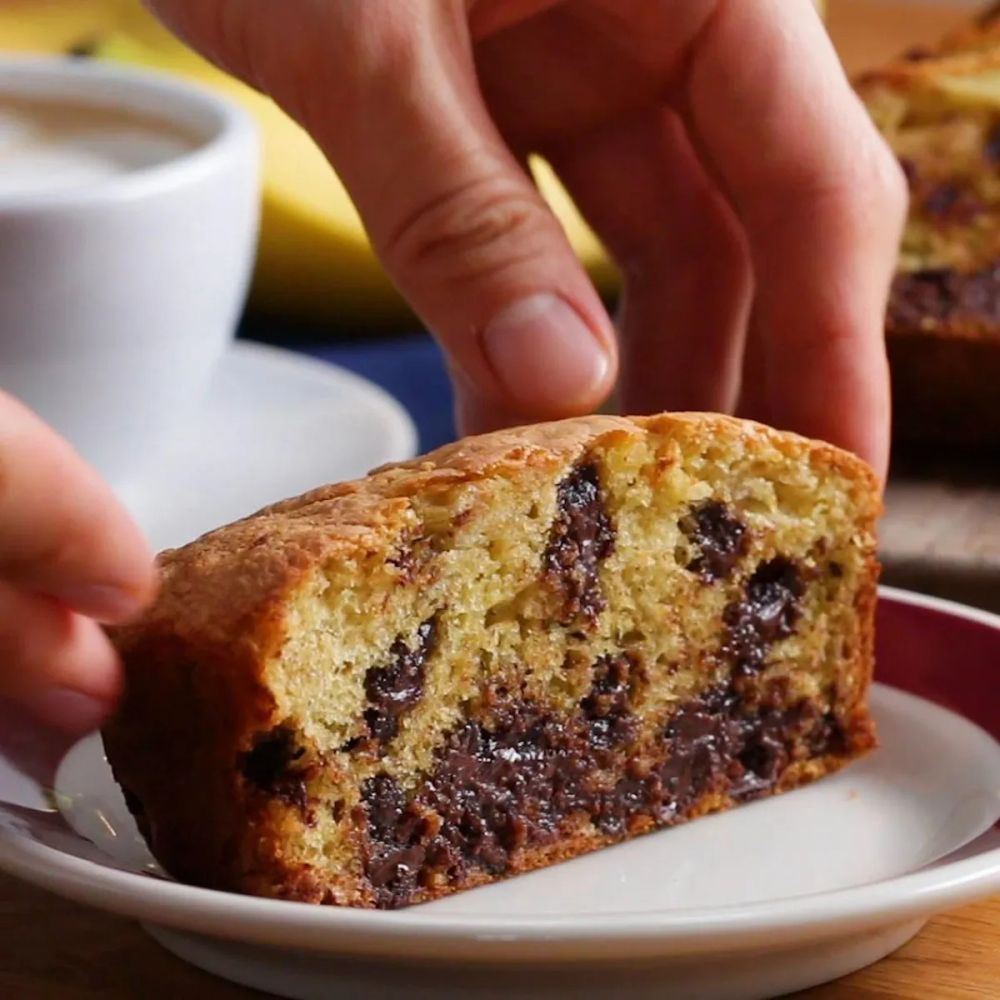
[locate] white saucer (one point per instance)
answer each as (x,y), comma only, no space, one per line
(274,424)
(772,897)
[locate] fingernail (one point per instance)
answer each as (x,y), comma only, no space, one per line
(545,357)
(105,603)
(67,709)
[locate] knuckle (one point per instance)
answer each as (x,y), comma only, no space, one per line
(470,231)
(894,188)
(880,184)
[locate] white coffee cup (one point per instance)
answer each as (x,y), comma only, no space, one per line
(121,288)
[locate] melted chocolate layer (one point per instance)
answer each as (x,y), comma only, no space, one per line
(516,781)
(607,708)
(519,775)
(581,537)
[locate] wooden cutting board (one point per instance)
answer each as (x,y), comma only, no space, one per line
(941,530)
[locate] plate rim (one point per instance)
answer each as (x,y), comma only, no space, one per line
(405,436)
(417,933)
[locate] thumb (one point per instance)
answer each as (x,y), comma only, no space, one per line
(456,219)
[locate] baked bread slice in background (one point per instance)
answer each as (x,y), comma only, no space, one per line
(515,650)
(939,109)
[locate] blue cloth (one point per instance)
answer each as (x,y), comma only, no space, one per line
(411,368)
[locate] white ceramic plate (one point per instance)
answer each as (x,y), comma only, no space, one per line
(771,897)
(274,424)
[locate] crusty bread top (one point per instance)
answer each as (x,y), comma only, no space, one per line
(225,587)
(939,109)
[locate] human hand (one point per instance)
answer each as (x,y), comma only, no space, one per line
(714,145)
(69,558)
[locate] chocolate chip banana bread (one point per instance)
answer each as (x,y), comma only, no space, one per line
(514,650)
(939,109)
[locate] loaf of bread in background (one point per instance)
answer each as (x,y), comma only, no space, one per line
(939,109)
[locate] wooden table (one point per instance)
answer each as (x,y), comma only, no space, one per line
(51,949)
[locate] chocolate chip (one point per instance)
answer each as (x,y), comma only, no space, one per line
(394,871)
(940,296)
(949,202)
(501,783)
(582,536)
(941,199)
(702,739)
(631,796)
(270,766)
(726,742)
(772,596)
(720,537)
(918,53)
(395,852)
(496,786)
(607,707)
(393,689)
(384,802)
(766,613)
(763,757)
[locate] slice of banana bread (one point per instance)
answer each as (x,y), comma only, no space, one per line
(517,649)
(939,109)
